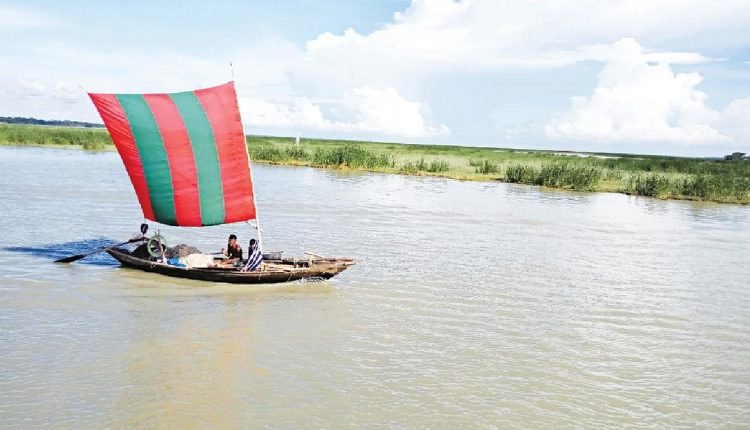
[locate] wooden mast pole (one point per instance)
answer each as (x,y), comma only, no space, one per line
(244,141)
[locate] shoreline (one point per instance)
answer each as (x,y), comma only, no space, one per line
(666,178)
(500,180)
(451,174)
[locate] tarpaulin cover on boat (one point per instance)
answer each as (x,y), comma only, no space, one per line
(185,154)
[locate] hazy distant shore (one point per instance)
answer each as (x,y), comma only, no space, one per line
(654,176)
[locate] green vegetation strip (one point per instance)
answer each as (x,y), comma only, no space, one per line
(663,177)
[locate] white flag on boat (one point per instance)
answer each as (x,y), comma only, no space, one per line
(253,260)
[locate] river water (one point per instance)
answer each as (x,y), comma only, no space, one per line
(473,305)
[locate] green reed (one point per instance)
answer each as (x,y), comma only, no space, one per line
(714,187)
(556,175)
(422,166)
(484,167)
(520,174)
(657,176)
(351,156)
(92,139)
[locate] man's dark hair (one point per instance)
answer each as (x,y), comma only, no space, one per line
(252,241)
(232,236)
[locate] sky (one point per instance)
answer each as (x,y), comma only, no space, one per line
(637,76)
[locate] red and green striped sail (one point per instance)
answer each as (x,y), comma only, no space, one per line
(185,154)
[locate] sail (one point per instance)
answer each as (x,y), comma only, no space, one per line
(185,154)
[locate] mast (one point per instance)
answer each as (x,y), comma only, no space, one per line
(244,142)
(257,218)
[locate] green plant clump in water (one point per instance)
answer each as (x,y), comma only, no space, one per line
(94,145)
(649,184)
(434,166)
(556,175)
(352,156)
(575,176)
(438,166)
(268,153)
(278,154)
(520,174)
(484,167)
(700,185)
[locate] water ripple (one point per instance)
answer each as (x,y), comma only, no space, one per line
(472,306)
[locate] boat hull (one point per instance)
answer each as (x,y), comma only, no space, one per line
(319,269)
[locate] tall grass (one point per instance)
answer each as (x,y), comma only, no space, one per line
(45,135)
(556,175)
(664,177)
(276,154)
(722,188)
(520,174)
(651,185)
(434,166)
(484,167)
(352,156)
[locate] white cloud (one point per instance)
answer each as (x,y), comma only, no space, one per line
(14,17)
(481,34)
(67,92)
(735,120)
(365,109)
(31,88)
(638,101)
(385,111)
(346,82)
(301,113)
(63,91)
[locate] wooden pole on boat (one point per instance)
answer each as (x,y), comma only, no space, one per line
(244,138)
(257,218)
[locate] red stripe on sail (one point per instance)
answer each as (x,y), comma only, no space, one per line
(220,105)
(181,159)
(119,130)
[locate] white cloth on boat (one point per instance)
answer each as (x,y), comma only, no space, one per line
(199,261)
(254,260)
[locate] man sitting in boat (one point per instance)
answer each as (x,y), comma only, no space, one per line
(254,259)
(233,251)
(233,254)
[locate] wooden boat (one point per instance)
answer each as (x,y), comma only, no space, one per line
(272,271)
(187,157)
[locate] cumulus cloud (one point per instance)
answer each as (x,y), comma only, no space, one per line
(482,34)
(735,120)
(377,110)
(300,112)
(346,82)
(384,110)
(635,100)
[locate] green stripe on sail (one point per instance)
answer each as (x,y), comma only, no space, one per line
(206,157)
(153,156)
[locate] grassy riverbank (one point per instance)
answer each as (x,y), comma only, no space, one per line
(655,176)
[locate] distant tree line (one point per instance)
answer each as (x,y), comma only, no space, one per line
(34,121)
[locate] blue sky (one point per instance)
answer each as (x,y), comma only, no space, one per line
(662,77)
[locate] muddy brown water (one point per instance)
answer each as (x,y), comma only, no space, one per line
(474,305)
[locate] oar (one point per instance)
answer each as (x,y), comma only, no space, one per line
(77,257)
